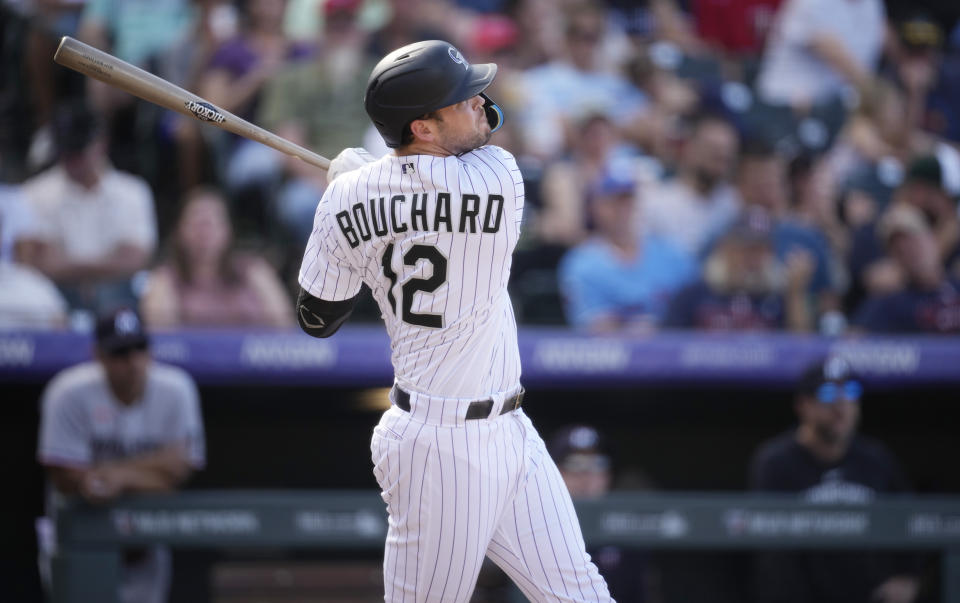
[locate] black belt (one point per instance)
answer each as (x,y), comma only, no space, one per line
(477,410)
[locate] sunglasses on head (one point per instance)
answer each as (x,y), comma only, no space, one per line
(830,392)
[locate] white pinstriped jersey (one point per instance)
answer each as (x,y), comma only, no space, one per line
(432,237)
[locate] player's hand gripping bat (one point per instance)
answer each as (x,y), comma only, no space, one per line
(109,69)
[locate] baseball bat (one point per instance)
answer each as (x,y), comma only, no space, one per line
(99,65)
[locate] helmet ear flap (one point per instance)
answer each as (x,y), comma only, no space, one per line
(493,112)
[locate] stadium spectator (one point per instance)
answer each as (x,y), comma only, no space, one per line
(735,27)
(18,225)
(205,281)
(596,149)
(96,224)
(672,99)
(122,424)
(134,31)
(826,461)
(49,21)
(584,462)
(927,187)
(575,84)
(235,79)
(185,64)
(813,203)
(916,61)
(695,206)
(242,65)
(620,280)
(744,287)
(819,49)
(28,299)
(314,103)
(762,182)
(930,299)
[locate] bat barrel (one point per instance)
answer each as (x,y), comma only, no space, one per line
(99,65)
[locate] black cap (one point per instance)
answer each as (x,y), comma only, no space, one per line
(832,369)
(926,169)
(576,439)
(121,330)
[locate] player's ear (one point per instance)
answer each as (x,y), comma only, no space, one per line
(423,129)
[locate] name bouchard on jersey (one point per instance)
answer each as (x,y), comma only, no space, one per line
(380,217)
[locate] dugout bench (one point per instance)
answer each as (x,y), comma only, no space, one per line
(90,539)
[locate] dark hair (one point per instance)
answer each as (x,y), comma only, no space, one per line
(229,261)
(75,126)
(694,122)
(758,149)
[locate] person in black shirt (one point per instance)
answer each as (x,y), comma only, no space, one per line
(930,302)
(826,461)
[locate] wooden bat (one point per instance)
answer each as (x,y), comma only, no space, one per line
(109,69)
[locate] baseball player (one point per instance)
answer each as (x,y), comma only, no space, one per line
(430,228)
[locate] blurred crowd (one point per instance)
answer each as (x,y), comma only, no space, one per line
(689,164)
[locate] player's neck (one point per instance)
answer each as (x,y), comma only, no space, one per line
(422,147)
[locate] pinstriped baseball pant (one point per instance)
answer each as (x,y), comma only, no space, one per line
(457,490)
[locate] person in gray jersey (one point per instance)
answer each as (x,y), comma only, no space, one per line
(117,425)
(431,229)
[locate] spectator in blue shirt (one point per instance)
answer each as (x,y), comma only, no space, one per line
(930,302)
(762,182)
(618,280)
(744,286)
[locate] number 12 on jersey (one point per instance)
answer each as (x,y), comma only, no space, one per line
(410,288)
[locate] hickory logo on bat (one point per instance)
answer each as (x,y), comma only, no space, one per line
(205,111)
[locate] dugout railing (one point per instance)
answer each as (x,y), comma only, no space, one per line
(90,538)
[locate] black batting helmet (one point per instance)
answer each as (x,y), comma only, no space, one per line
(418,78)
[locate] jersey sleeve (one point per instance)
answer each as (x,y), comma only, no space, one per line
(64,438)
(326,272)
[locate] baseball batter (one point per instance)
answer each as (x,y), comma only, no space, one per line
(430,228)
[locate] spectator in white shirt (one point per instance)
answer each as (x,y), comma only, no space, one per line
(97,225)
(693,208)
(819,49)
(574,85)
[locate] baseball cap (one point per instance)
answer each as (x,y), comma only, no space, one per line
(611,185)
(494,33)
(754,224)
(920,31)
(579,448)
(926,169)
(121,331)
(828,379)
